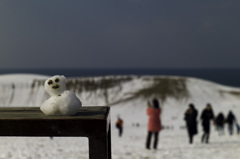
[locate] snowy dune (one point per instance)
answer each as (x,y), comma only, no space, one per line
(21,90)
(128,96)
(28,90)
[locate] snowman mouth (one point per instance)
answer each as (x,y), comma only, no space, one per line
(55,87)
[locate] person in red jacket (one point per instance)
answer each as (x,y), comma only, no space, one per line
(154,123)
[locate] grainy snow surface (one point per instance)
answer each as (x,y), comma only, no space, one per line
(173,143)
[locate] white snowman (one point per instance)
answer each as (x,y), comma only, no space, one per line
(62,101)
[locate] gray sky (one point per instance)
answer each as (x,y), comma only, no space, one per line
(119,33)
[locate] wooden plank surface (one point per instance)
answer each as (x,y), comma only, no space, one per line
(33,113)
(30,121)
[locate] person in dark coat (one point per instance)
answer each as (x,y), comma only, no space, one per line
(238,128)
(154,123)
(230,120)
(206,116)
(190,117)
(219,121)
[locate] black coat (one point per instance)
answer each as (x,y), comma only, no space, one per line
(190,117)
(206,116)
(230,118)
(219,121)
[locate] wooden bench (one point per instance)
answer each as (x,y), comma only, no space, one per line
(91,122)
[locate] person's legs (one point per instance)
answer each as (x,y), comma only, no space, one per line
(189,133)
(204,132)
(120,131)
(207,137)
(148,140)
(230,126)
(203,136)
(207,133)
(220,130)
(155,140)
(190,138)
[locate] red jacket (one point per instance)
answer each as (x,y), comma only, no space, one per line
(154,122)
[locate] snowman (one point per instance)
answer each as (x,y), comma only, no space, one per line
(62,101)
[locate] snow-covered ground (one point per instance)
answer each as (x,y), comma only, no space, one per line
(173,143)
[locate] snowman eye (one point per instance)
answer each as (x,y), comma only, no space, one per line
(50,82)
(57,80)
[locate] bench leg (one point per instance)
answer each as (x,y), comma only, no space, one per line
(109,143)
(100,146)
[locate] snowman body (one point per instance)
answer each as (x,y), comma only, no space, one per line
(62,101)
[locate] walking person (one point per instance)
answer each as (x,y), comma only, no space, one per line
(206,116)
(219,121)
(154,123)
(230,120)
(190,117)
(119,126)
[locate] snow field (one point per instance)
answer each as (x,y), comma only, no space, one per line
(173,143)
(43,148)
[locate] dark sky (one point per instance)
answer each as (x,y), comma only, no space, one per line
(119,34)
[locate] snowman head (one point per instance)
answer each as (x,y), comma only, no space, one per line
(55,85)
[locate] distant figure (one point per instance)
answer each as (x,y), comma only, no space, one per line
(154,123)
(190,117)
(119,126)
(206,116)
(238,128)
(219,121)
(230,120)
(137,124)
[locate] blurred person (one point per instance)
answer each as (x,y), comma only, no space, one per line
(238,128)
(219,121)
(119,126)
(190,117)
(154,123)
(230,120)
(206,116)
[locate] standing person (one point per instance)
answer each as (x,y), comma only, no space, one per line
(230,121)
(219,121)
(238,128)
(119,125)
(154,123)
(190,117)
(206,116)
